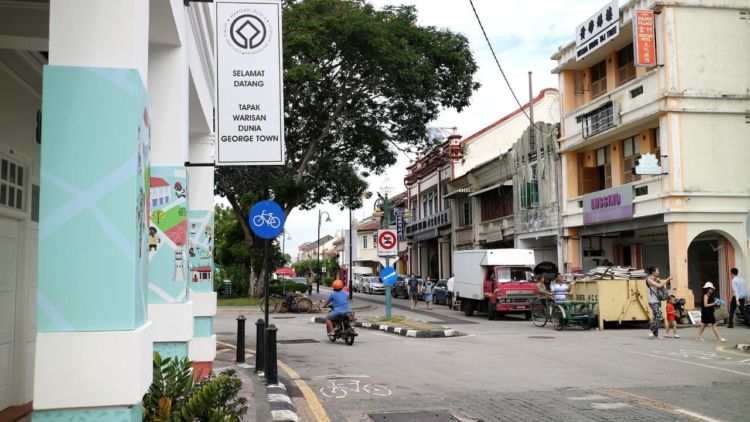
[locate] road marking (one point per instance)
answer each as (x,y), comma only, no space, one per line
(723,349)
(659,405)
(697,415)
(692,363)
(312,400)
(591,397)
(322,377)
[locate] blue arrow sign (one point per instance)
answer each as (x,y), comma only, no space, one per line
(266,219)
(389,276)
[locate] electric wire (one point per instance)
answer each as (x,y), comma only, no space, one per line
(492,50)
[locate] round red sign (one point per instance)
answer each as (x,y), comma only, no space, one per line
(387,240)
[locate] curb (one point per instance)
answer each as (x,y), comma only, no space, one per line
(398,330)
(281,405)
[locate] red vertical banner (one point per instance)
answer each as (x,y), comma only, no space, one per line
(643,38)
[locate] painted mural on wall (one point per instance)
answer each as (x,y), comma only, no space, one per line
(201,250)
(93,213)
(167,234)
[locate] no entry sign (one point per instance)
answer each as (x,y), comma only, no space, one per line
(387,243)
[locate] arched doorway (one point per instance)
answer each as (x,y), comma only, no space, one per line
(711,255)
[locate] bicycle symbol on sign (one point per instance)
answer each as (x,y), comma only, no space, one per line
(339,390)
(266,219)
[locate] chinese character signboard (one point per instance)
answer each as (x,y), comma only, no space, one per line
(643,38)
(608,205)
(249,99)
(598,30)
(400,226)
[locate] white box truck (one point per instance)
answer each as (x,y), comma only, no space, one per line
(496,281)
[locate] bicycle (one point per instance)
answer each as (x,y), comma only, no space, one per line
(266,219)
(298,303)
(273,303)
(563,313)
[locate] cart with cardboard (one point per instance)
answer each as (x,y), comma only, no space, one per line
(621,294)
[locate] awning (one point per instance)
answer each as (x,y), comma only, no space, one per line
(489,188)
(286,271)
(458,191)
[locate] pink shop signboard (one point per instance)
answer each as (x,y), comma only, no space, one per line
(607,205)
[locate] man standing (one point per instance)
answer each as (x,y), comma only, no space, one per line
(413,285)
(560,288)
(449,292)
(310,280)
(739,288)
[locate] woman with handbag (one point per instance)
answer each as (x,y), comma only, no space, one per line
(655,294)
(708,305)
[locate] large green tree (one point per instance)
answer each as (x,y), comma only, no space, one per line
(360,84)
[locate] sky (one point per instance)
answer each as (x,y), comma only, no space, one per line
(524,35)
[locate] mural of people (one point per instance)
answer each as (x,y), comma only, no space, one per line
(179,191)
(153,239)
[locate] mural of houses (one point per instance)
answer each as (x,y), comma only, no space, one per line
(202,273)
(160,192)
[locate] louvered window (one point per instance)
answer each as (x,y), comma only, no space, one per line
(598,79)
(631,151)
(625,65)
(12,178)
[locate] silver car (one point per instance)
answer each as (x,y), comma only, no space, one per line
(375,286)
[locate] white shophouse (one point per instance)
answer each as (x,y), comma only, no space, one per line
(95,96)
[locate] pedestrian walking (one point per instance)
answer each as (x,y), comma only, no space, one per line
(427,293)
(671,322)
(708,306)
(739,299)
(449,292)
(413,286)
(310,281)
(654,283)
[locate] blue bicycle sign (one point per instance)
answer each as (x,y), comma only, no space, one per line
(266,219)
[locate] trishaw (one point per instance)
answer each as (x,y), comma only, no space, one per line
(561,314)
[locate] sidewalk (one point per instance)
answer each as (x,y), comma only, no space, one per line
(253,386)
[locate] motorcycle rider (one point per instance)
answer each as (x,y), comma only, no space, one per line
(340,302)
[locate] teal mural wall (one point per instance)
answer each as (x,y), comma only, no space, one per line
(167,235)
(203,327)
(109,414)
(94,200)
(201,252)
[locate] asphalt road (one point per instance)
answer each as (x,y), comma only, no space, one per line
(505,369)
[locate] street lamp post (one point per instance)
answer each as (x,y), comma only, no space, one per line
(386,222)
(328,220)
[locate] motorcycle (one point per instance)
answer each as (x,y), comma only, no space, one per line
(344,329)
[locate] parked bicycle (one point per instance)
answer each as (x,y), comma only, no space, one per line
(296,302)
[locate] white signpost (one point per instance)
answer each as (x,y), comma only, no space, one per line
(387,243)
(249,83)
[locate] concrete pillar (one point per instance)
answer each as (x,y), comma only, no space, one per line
(677,235)
(170,308)
(94,342)
(202,348)
(616,160)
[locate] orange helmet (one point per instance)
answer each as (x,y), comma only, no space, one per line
(338,285)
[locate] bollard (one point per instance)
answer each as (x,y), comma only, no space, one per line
(260,347)
(240,339)
(271,369)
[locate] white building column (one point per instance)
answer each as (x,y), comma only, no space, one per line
(94,347)
(169,306)
(202,349)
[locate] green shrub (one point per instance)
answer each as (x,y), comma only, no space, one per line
(289,286)
(173,396)
(328,281)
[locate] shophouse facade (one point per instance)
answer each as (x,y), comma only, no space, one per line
(685,117)
(366,238)
(485,195)
(100,102)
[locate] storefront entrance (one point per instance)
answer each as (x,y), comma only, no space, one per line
(710,257)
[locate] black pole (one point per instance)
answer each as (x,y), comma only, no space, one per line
(240,358)
(351,270)
(260,348)
(271,369)
(265,290)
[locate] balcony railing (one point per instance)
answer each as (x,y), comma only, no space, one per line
(496,229)
(434,221)
(599,120)
(465,235)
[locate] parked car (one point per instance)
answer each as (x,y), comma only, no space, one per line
(439,291)
(375,286)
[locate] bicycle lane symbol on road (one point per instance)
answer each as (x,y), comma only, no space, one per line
(341,388)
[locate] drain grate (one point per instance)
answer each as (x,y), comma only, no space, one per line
(297,341)
(541,337)
(424,416)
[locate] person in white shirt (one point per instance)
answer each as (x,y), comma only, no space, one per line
(739,288)
(560,288)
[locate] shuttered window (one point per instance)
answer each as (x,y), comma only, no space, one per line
(497,203)
(598,79)
(625,65)
(12,179)
(631,151)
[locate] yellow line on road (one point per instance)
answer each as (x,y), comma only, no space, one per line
(312,400)
(723,349)
(656,404)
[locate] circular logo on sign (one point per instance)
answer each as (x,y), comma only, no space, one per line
(387,240)
(247,32)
